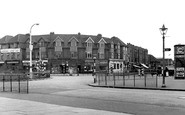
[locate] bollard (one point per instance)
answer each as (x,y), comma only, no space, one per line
(114,80)
(10,83)
(105,79)
(123,79)
(3,83)
(134,79)
(19,84)
(156,81)
(27,83)
(145,79)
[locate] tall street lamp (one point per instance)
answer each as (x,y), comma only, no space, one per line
(94,69)
(163,31)
(31,48)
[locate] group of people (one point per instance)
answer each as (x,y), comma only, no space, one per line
(141,72)
(158,72)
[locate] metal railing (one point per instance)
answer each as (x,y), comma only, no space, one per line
(14,83)
(147,80)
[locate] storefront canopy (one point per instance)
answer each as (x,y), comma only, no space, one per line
(144,65)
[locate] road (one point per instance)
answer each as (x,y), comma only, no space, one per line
(74,91)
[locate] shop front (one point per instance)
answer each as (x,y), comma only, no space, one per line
(13,66)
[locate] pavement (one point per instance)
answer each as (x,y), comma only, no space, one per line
(24,107)
(77,86)
(17,105)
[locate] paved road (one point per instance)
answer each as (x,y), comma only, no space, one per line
(75,92)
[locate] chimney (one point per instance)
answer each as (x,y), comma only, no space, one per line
(99,36)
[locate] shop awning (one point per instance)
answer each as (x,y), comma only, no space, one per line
(144,65)
(136,66)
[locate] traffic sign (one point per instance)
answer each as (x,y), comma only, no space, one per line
(167,49)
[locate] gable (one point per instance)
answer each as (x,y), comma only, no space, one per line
(58,38)
(102,40)
(89,39)
(72,39)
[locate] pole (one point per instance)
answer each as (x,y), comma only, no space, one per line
(31,48)
(163,84)
(40,51)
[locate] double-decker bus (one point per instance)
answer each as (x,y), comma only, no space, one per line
(179,57)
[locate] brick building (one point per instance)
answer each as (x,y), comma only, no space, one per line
(137,55)
(64,51)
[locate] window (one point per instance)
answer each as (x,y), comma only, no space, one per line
(73,54)
(73,43)
(114,66)
(117,65)
(89,44)
(15,45)
(27,55)
(2,57)
(121,65)
(101,55)
(89,55)
(8,56)
(101,45)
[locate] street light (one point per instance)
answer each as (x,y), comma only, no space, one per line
(94,65)
(31,48)
(163,31)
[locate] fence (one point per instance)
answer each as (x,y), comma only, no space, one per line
(148,80)
(14,83)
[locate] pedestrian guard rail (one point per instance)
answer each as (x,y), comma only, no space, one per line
(11,82)
(127,79)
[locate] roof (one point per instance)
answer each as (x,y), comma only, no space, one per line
(65,37)
(5,39)
(18,38)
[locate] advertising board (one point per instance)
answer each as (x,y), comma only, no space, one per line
(179,56)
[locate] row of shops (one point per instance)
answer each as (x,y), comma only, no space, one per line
(62,66)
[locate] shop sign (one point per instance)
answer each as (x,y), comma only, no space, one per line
(179,50)
(180,72)
(103,62)
(11,50)
(89,61)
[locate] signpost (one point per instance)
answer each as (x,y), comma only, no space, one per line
(167,49)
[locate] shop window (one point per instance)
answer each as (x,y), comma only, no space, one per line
(114,66)
(118,66)
(121,65)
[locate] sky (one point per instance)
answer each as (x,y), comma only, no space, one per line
(133,21)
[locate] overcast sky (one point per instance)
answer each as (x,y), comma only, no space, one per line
(133,21)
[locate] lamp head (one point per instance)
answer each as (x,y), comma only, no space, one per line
(163,30)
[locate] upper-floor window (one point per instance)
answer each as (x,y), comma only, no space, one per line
(101,55)
(42,44)
(74,54)
(89,55)
(73,43)
(89,44)
(101,45)
(15,45)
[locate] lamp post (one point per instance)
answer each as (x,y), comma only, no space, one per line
(163,31)
(31,48)
(94,69)
(94,66)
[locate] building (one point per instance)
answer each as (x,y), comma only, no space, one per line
(136,55)
(61,52)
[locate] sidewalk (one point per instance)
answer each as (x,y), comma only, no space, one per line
(24,107)
(171,83)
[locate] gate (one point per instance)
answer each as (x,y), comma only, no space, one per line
(14,83)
